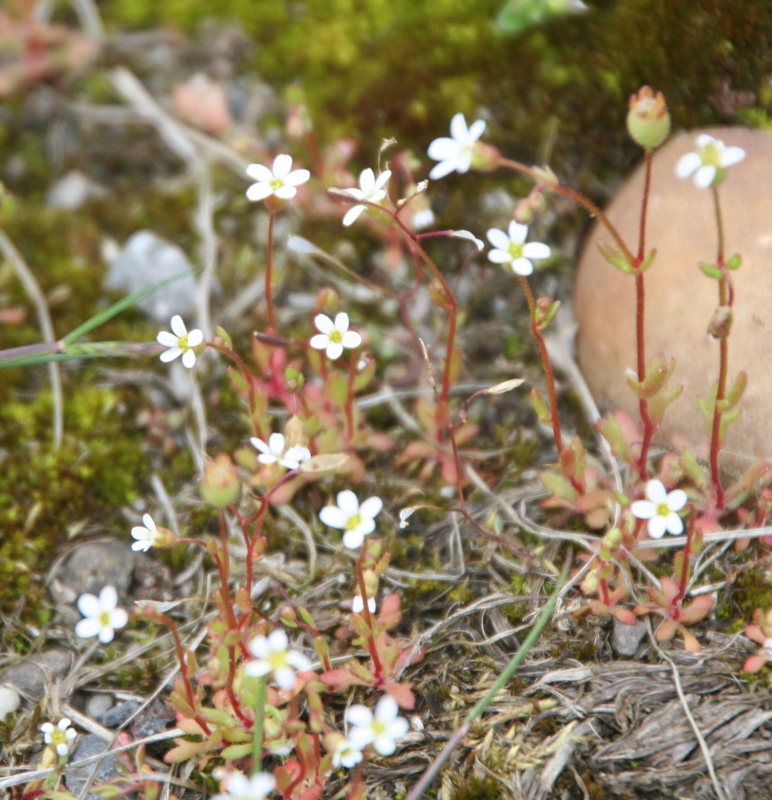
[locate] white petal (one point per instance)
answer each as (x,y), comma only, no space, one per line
(399,728)
(643,509)
(62,749)
(149,522)
(476,129)
(365,527)
(142,546)
(687,164)
(167,339)
(352,215)
(384,745)
(458,128)
(730,156)
(267,458)
(704,139)
(87,628)
(298,453)
(256,669)
(89,605)
(468,235)
(323,323)
(260,445)
(383,179)
(108,598)
(377,196)
(676,499)
(367,181)
(298,660)
(70,733)
(443,148)
(170,355)
(258,646)
(277,640)
(143,534)
(106,635)
(348,502)
(517,232)
(386,710)
(357,194)
(341,322)
(704,176)
(351,339)
(499,256)
(655,491)
(464,161)
(674,523)
(281,166)
(359,715)
(498,239)
(189,359)
(334,350)
(260,173)
(537,250)
(118,618)
(353,539)
(371,507)
(47,727)
(656,527)
(333,516)
(276,444)
(259,191)
(285,192)
(262,784)
(296,177)
(521,266)
(285,677)
(320,341)
(178,326)
(195,337)
(445,168)
(238,785)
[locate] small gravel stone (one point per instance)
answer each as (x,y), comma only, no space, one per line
(30,675)
(119,714)
(86,747)
(626,638)
(98,704)
(9,701)
(145,260)
(98,564)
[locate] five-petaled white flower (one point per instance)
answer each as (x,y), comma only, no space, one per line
(276,452)
(357,606)
(59,736)
(147,536)
(240,787)
(370,189)
(660,509)
(346,754)
(102,615)
(356,521)
(513,251)
(455,154)
(279,181)
(709,162)
(381,729)
(334,336)
(272,654)
(180,343)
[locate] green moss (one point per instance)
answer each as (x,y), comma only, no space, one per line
(475,788)
(750,591)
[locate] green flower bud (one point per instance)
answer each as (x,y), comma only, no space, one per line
(221,484)
(648,120)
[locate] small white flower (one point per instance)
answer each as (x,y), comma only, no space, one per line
(470,236)
(59,736)
(276,452)
(180,343)
(334,336)
(278,181)
(240,787)
(369,189)
(512,250)
(147,536)
(381,729)
(357,521)
(102,615)
(346,754)
(455,154)
(357,606)
(272,654)
(708,162)
(660,509)
(405,514)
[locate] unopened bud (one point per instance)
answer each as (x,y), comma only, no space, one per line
(648,120)
(590,584)
(485,157)
(523,212)
(721,322)
(295,432)
(612,539)
(327,300)
(220,485)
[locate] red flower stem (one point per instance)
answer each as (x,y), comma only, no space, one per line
(269,276)
(352,374)
(684,577)
(223,566)
(229,688)
(371,646)
(245,374)
(604,592)
(724,298)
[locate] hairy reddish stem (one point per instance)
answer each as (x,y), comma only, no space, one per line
(371,645)
(352,374)
(269,276)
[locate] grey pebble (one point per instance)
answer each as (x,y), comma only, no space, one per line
(626,638)
(95,565)
(119,714)
(30,675)
(86,747)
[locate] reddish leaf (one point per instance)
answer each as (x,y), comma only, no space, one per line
(666,630)
(339,679)
(755,663)
(756,634)
(690,642)
(401,693)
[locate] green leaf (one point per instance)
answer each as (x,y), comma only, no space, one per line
(712,271)
(338,389)
(734,395)
(734,262)
(236,751)
(648,261)
(615,257)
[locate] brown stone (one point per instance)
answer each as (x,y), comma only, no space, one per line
(680,300)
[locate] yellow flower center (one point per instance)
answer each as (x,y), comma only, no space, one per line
(104,619)
(336,337)
(353,522)
(516,251)
(710,156)
(58,736)
(663,509)
(277,659)
(182,343)
(276,183)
